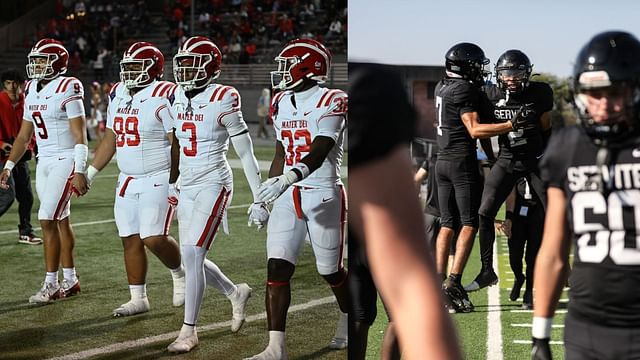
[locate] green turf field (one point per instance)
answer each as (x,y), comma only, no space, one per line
(514,339)
(82,326)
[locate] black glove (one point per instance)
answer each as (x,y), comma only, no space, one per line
(540,349)
(524,118)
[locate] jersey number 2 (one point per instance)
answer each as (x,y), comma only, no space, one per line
(294,153)
(123,127)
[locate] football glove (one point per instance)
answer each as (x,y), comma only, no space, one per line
(258,214)
(174,193)
(271,189)
(540,349)
(524,118)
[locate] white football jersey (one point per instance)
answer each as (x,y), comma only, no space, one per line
(46,109)
(322,113)
(141,124)
(203,126)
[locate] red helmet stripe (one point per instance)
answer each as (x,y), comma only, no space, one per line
(308,46)
(141,49)
(46,46)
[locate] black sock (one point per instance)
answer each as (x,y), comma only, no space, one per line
(487,235)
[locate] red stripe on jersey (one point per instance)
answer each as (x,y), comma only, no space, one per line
(60,85)
(212,218)
(164,90)
(77,97)
(158,112)
(215,92)
(26,86)
(224,91)
(322,98)
(297,202)
(172,90)
(155,91)
(343,222)
(225,114)
(113,89)
(64,88)
(277,98)
(123,189)
(332,94)
(215,227)
(167,220)
(65,197)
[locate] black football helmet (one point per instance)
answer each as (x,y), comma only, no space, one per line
(515,66)
(466,61)
(610,61)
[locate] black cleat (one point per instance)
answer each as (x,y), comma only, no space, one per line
(517,286)
(527,300)
(458,297)
(484,279)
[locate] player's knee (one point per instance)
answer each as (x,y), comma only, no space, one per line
(49,225)
(336,279)
(279,270)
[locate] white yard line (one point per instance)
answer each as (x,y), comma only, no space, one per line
(531,311)
(109,349)
(529,325)
(14,231)
(494,323)
(528,342)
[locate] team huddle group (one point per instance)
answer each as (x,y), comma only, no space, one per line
(171,142)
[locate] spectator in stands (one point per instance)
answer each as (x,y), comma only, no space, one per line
(98,64)
(285,27)
(11,113)
(263,113)
(335,29)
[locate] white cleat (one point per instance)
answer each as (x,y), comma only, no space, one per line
(178,291)
(270,354)
(341,339)
(239,301)
(184,343)
(132,307)
(47,293)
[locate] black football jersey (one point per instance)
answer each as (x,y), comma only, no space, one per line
(521,144)
(603,212)
(453,98)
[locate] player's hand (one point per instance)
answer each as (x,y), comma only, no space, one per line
(506,228)
(540,349)
(258,214)
(521,119)
(4,179)
(79,184)
(272,188)
(174,194)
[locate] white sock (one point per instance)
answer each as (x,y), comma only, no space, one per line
(193,258)
(70,275)
(276,339)
(187,329)
(342,330)
(138,291)
(177,273)
(51,278)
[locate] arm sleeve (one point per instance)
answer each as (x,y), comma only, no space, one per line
(468,99)
(244,148)
(380,116)
(231,114)
(333,121)
(73,102)
(163,114)
(552,169)
(547,98)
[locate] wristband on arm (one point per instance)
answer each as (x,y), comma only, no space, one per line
(80,154)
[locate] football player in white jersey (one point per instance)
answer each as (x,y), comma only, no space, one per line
(207,115)
(304,185)
(54,108)
(141,130)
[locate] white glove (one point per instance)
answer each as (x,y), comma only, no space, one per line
(174,193)
(271,189)
(258,214)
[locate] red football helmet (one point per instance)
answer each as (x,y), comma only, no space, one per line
(47,59)
(197,63)
(300,59)
(141,64)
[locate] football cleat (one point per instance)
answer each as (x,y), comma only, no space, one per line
(341,338)
(527,300)
(132,307)
(270,353)
(178,291)
(484,279)
(517,286)
(29,239)
(239,301)
(184,343)
(48,293)
(458,296)
(70,289)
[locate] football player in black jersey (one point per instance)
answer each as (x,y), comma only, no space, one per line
(592,173)
(457,99)
(514,95)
